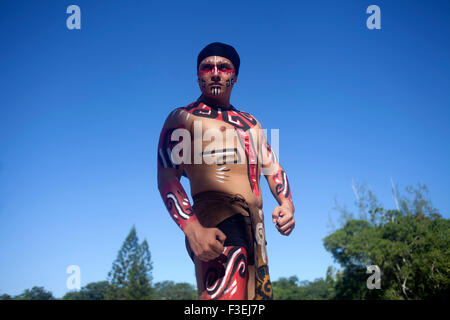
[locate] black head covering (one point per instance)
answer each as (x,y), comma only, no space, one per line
(222,50)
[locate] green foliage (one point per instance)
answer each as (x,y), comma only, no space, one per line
(292,289)
(351,284)
(139,276)
(92,291)
(410,246)
(36,293)
(130,277)
(286,288)
(168,290)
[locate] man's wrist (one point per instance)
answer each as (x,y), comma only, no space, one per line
(190,226)
(289,205)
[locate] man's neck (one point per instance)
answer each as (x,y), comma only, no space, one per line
(224,104)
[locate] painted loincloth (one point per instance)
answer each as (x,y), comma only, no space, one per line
(212,208)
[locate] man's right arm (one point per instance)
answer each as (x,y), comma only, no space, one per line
(207,243)
(169,174)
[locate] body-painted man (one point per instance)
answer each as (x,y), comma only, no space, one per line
(222,151)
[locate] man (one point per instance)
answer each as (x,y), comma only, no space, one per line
(224,227)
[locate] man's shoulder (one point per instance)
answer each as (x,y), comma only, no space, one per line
(180,114)
(249,116)
(240,110)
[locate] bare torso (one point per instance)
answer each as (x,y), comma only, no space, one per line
(224,156)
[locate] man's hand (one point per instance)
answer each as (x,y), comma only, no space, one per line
(206,243)
(283,216)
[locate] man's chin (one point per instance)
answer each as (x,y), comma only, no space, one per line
(215,92)
(213,96)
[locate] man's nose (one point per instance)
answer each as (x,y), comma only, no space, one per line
(215,77)
(215,74)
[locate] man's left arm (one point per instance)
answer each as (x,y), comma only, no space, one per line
(283,215)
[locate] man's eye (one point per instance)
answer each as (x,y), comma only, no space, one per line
(207,67)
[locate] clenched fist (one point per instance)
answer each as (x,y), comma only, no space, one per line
(206,243)
(283,216)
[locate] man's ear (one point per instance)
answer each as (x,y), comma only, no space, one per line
(235,79)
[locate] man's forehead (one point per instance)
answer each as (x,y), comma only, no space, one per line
(216,59)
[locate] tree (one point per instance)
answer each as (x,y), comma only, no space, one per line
(36,293)
(92,291)
(130,277)
(409,245)
(168,290)
(293,289)
(286,288)
(139,276)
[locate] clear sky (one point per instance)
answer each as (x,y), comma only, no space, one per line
(81,111)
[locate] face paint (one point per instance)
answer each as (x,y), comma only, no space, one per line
(229,82)
(216,75)
(215,91)
(202,84)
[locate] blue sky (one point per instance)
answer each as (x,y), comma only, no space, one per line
(81,110)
